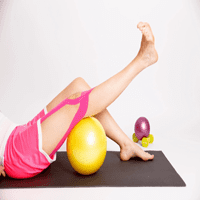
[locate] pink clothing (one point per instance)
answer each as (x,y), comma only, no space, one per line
(6,128)
(24,156)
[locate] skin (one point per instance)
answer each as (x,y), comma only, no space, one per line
(97,105)
(99,99)
(2,172)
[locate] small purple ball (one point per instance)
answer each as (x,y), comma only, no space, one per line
(142,128)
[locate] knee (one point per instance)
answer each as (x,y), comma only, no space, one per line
(79,81)
(81,84)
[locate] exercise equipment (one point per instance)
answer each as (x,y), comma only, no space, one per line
(114,173)
(87,146)
(142,130)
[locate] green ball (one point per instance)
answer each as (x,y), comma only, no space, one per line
(145,142)
(134,138)
(151,138)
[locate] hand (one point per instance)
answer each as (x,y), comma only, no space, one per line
(2,170)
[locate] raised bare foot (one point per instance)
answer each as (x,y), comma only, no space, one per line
(131,150)
(147,53)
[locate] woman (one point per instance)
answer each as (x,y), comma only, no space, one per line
(29,149)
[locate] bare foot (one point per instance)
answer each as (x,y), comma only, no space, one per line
(147,53)
(131,150)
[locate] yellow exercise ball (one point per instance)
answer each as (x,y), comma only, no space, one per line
(87,146)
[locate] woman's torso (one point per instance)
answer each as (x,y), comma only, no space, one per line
(6,128)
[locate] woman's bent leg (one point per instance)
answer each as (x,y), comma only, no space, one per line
(56,125)
(128,148)
(104,94)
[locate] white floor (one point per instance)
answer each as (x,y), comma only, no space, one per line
(182,154)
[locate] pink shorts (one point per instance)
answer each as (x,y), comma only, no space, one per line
(24,156)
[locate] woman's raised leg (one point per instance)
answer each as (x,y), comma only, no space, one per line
(104,94)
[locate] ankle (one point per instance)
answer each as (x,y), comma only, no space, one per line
(139,63)
(126,143)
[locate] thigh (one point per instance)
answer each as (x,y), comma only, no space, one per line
(76,86)
(55,126)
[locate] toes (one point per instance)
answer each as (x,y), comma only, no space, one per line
(143,25)
(145,156)
(148,157)
(145,28)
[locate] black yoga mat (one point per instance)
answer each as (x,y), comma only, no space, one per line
(113,173)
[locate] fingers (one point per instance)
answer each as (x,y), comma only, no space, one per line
(4,173)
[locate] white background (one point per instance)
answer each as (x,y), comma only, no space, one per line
(45,44)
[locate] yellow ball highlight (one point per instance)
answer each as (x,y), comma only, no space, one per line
(87,146)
